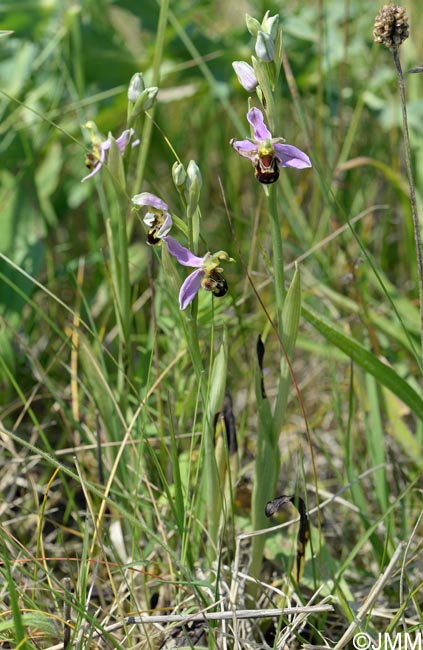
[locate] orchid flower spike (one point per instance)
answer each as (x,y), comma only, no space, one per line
(97,157)
(266,153)
(207,274)
(158,218)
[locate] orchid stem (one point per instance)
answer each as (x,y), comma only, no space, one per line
(267,461)
(278,266)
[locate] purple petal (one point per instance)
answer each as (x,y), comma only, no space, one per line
(190,288)
(124,138)
(96,169)
(255,118)
(99,165)
(165,227)
(246,75)
(182,254)
(105,146)
(290,156)
(150,200)
(245,148)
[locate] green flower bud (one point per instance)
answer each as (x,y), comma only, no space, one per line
(136,87)
(194,175)
(144,101)
(179,175)
(270,25)
(149,95)
(193,184)
(253,25)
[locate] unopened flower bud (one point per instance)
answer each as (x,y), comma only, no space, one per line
(253,25)
(136,87)
(144,101)
(149,97)
(246,75)
(194,175)
(391,26)
(179,175)
(265,47)
(270,25)
(193,184)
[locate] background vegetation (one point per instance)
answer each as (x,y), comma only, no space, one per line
(101,459)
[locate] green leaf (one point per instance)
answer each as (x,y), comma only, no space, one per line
(115,165)
(214,405)
(19,629)
(291,313)
(366,360)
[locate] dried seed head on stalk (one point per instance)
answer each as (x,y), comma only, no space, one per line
(391,26)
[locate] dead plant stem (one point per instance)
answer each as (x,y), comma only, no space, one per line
(413,202)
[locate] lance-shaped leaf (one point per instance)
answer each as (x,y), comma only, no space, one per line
(291,312)
(115,165)
(366,360)
(213,495)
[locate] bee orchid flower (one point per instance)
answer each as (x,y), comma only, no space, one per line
(267,153)
(207,274)
(97,157)
(157,219)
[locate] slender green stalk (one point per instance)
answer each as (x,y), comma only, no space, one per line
(267,459)
(278,265)
(124,288)
(413,202)
(211,388)
(212,485)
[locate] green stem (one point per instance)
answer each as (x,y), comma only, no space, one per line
(191,334)
(212,393)
(125,291)
(278,265)
(267,460)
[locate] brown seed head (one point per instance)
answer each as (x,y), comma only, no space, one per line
(391,26)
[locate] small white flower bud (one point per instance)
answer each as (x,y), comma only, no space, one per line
(178,174)
(246,75)
(194,175)
(265,47)
(136,87)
